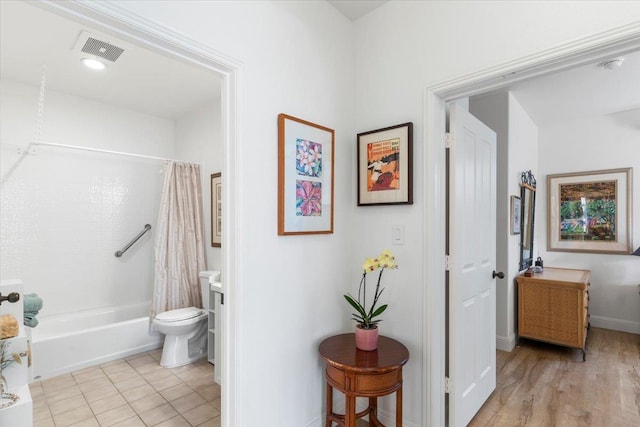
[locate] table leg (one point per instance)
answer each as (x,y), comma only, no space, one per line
(329,405)
(399,407)
(350,412)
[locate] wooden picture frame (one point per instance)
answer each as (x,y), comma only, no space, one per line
(385,166)
(216,210)
(590,211)
(305,177)
(516,215)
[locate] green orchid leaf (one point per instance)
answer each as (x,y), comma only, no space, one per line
(379,311)
(355,305)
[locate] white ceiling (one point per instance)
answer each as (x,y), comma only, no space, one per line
(147,82)
(354,9)
(139,80)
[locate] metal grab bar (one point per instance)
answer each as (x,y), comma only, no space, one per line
(118,254)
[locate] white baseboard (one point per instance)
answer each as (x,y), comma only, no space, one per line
(505,343)
(615,324)
(318,422)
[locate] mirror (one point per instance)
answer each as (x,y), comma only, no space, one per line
(528,197)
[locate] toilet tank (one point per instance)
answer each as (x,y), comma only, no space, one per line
(206,278)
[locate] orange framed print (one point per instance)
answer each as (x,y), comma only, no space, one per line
(305,177)
(385,166)
(590,211)
(216,210)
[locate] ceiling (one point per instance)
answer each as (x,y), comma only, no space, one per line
(138,80)
(354,9)
(151,83)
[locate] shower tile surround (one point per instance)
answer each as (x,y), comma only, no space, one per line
(135,391)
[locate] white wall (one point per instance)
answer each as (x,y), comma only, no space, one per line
(198,138)
(517,152)
(65,212)
(596,143)
(297,59)
(404,47)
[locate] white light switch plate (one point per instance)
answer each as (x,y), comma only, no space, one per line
(397,234)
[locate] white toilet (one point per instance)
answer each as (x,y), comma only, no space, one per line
(185,329)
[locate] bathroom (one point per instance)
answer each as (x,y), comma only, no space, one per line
(66,211)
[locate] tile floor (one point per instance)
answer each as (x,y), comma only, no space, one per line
(135,391)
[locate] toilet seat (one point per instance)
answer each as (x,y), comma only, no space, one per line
(179,314)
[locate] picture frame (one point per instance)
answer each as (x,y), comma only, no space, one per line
(516,215)
(216,210)
(305,177)
(590,211)
(385,166)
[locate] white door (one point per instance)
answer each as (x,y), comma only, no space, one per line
(472,260)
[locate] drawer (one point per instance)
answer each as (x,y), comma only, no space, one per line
(378,383)
(336,376)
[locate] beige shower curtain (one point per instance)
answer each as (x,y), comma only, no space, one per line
(179,244)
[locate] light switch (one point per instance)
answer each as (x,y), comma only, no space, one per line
(397,234)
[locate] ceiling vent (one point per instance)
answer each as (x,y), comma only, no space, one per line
(89,44)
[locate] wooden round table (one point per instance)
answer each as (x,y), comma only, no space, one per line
(358,373)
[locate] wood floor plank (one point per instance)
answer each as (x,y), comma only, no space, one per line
(540,384)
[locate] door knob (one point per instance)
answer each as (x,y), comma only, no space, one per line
(500,274)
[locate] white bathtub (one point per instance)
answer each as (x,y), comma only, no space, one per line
(68,342)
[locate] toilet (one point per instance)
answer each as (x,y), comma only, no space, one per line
(185,329)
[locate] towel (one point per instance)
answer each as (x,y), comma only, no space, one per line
(9,326)
(32,303)
(32,306)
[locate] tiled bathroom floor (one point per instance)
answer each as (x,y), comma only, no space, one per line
(135,391)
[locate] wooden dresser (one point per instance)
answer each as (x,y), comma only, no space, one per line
(553,306)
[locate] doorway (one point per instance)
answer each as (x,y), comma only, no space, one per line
(560,58)
(109,19)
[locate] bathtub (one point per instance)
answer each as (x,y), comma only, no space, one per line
(67,342)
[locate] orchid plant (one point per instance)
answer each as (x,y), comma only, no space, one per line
(366,318)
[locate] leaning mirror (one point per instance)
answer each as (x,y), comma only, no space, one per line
(528,197)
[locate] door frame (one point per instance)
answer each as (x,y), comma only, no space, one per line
(592,49)
(135,29)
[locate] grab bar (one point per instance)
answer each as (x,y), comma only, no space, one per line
(118,254)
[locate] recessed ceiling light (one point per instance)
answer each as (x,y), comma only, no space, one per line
(94,64)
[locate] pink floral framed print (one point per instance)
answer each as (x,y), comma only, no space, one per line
(305,177)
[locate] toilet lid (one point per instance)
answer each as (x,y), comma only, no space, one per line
(180,314)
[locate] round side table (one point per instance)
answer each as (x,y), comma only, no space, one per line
(358,373)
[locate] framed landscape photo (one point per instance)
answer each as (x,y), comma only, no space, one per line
(590,211)
(516,215)
(305,177)
(385,166)
(216,210)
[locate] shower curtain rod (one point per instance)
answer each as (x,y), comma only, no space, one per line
(99,150)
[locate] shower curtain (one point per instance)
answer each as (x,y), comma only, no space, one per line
(179,244)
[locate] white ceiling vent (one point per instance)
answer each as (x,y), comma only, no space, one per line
(90,44)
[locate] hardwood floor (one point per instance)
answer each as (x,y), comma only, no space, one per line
(540,384)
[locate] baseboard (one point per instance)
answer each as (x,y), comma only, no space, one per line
(615,324)
(315,423)
(505,343)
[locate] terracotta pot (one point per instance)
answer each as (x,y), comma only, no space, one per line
(366,339)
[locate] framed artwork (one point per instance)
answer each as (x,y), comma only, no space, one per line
(216,210)
(516,215)
(385,166)
(590,211)
(305,177)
